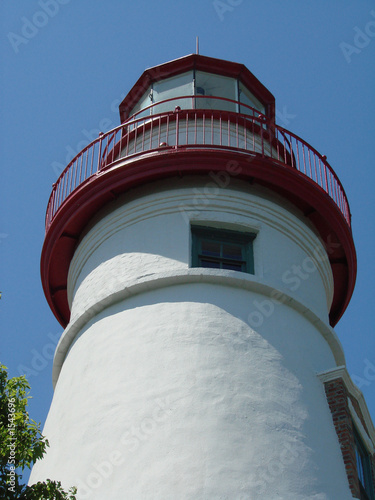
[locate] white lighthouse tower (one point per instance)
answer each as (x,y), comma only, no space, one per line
(198,256)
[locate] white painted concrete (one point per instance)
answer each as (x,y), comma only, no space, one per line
(152,234)
(173,388)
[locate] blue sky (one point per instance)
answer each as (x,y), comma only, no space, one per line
(66,64)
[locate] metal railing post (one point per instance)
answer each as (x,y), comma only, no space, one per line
(177,110)
(100,151)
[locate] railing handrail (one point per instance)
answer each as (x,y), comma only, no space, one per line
(133,119)
(323,158)
(289,149)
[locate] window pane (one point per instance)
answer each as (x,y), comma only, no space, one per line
(232,251)
(175,86)
(360,467)
(170,105)
(208,84)
(246,97)
(363,467)
(209,263)
(211,248)
(143,102)
(232,266)
(222,249)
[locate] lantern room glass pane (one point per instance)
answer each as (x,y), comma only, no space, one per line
(205,88)
(179,85)
(209,84)
(143,102)
(246,97)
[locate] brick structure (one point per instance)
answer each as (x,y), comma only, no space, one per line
(345,408)
(337,397)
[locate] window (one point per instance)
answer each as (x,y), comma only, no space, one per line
(246,97)
(363,469)
(143,102)
(209,84)
(222,249)
(179,85)
(200,83)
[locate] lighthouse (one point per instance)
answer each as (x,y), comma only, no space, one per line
(198,257)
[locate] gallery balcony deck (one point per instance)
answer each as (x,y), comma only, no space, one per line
(154,130)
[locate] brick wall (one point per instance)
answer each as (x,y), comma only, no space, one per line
(337,397)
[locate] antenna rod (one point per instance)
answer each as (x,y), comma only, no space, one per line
(197,45)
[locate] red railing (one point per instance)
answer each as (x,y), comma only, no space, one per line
(166,125)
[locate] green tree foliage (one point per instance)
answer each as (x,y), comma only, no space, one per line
(21,445)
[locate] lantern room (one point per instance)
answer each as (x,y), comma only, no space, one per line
(198,82)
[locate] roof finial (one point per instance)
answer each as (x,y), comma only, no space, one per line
(197,45)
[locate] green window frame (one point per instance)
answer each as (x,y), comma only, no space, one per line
(364,468)
(222,249)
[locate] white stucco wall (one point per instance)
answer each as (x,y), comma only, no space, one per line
(151,235)
(195,384)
